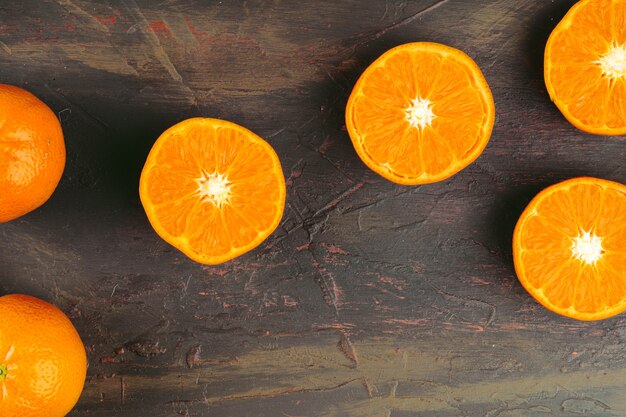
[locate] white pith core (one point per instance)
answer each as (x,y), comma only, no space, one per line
(613,63)
(420,113)
(587,247)
(214,188)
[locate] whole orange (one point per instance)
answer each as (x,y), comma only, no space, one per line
(42,359)
(32,152)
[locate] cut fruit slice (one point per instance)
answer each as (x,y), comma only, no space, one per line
(585,66)
(569,248)
(212,189)
(420,113)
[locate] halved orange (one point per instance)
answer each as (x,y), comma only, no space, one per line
(569,248)
(420,113)
(585,66)
(212,189)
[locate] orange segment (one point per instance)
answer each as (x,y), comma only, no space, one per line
(420,113)
(585,66)
(569,248)
(212,189)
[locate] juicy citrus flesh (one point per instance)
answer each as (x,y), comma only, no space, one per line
(569,248)
(42,359)
(585,66)
(212,189)
(420,113)
(32,152)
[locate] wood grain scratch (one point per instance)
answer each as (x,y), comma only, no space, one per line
(347,348)
(405,21)
(6,48)
(88,18)
(153,40)
(269,394)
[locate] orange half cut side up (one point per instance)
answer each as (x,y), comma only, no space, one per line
(585,66)
(420,113)
(212,189)
(569,248)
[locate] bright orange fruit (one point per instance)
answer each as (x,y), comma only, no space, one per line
(420,113)
(569,248)
(42,359)
(585,66)
(32,152)
(212,189)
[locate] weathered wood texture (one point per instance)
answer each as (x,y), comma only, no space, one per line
(371,299)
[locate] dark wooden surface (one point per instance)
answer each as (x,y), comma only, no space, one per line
(371,299)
